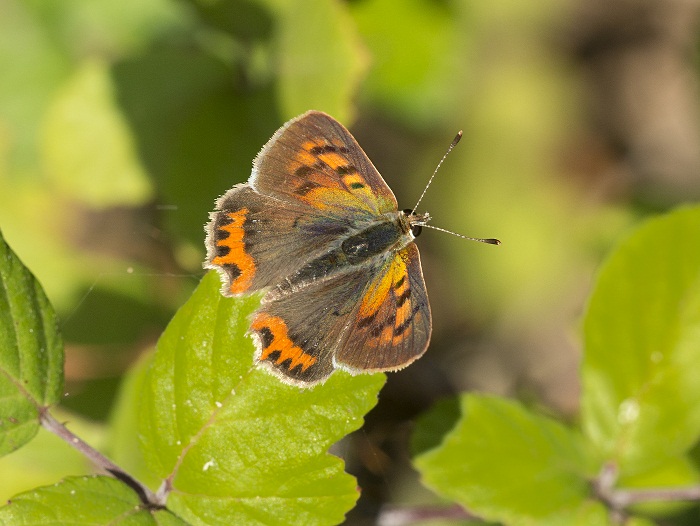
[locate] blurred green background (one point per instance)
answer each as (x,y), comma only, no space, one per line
(121,122)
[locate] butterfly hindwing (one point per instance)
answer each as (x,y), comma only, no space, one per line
(392,319)
(374,318)
(298,334)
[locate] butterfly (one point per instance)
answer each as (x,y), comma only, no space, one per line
(318,229)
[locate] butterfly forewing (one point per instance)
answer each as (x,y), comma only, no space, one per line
(312,185)
(314,159)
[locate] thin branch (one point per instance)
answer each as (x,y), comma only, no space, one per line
(628,497)
(619,500)
(149,499)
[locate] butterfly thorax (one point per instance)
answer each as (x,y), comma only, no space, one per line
(382,237)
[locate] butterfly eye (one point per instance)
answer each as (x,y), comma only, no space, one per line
(415,229)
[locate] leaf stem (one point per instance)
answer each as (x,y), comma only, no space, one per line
(149,499)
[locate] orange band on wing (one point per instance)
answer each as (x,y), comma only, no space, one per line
(237,255)
(397,332)
(333,159)
(274,337)
(309,145)
(388,330)
(306,158)
(378,295)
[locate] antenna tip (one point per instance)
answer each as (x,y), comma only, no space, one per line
(456,139)
(492,241)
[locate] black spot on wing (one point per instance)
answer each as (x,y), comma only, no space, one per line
(220,234)
(232,270)
(326,148)
(400,329)
(266,337)
(391,320)
(306,187)
(222,251)
(367,320)
(303,171)
(347,169)
(376,330)
(223,219)
(402,299)
(273,356)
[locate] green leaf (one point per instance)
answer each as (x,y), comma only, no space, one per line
(31,352)
(319,58)
(88,148)
(237,445)
(640,521)
(81,501)
(415,71)
(506,464)
(641,395)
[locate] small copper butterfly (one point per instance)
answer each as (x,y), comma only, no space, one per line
(317,227)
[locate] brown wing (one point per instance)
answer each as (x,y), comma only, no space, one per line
(370,318)
(392,323)
(315,160)
(311,186)
(254,241)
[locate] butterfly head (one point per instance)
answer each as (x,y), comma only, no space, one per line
(416,222)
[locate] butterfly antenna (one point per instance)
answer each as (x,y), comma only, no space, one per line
(489,240)
(452,145)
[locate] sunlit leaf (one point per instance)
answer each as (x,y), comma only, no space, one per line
(48,458)
(641,395)
(506,464)
(122,445)
(83,500)
(674,473)
(236,444)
